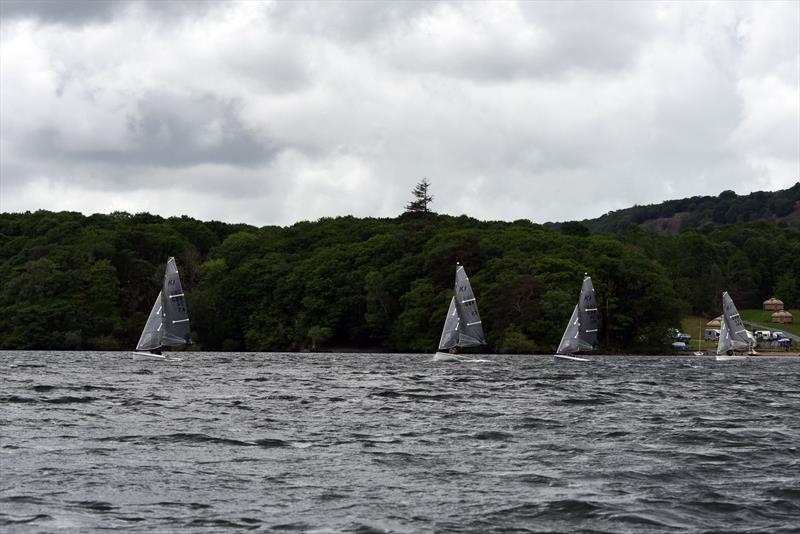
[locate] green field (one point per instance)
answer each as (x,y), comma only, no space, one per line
(693,326)
(762,317)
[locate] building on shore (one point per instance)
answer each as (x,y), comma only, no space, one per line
(773,304)
(782,317)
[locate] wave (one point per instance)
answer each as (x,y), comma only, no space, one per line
(190,505)
(7,520)
(536,479)
(789,492)
(292,527)
(643,519)
(44,388)
(413,394)
(23,499)
(68,399)
(197,438)
(564,510)
(591,401)
(539,422)
(95,506)
(247,523)
(394,458)
(493,435)
(17,399)
(270,442)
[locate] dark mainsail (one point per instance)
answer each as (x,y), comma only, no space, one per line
(176,317)
(168,323)
(587,312)
(470,332)
(462,327)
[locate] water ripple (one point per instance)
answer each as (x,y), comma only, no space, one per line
(328,443)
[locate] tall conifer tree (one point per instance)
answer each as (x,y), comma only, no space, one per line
(421,198)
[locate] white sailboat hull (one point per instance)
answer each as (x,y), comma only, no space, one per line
(448,357)
(733,357)
(557,357)
(151,356)
(147,356)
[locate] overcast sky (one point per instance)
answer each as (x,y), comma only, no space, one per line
(274,112)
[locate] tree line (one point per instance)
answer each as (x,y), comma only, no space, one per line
(71,281)
(695,212)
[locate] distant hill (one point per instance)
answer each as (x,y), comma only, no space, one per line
(672,216)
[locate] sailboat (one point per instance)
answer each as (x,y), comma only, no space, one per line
(699,352)
(581,332)
(168,322)
(462,326)
(732,333)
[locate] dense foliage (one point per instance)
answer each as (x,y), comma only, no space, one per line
(76,282)
(673,216)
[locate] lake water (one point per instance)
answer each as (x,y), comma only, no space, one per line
(395,443)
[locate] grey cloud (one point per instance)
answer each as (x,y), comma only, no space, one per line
(178,131)
(277,69)
(545,40)
(61,11)
(348,21)
(170,131)
(274,112)
(80,12)
(599,36)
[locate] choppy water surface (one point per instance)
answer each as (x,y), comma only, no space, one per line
(396,443)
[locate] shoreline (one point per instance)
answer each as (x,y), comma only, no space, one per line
(789,354)
(682,354)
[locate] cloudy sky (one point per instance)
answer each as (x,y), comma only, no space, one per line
(274,112)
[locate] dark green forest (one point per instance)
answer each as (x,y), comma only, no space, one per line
(71,281)
(674,216)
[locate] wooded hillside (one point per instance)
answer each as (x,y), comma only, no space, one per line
(75,282)
(674,216)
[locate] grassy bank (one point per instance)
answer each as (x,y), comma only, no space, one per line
(694,325)
(762,317)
